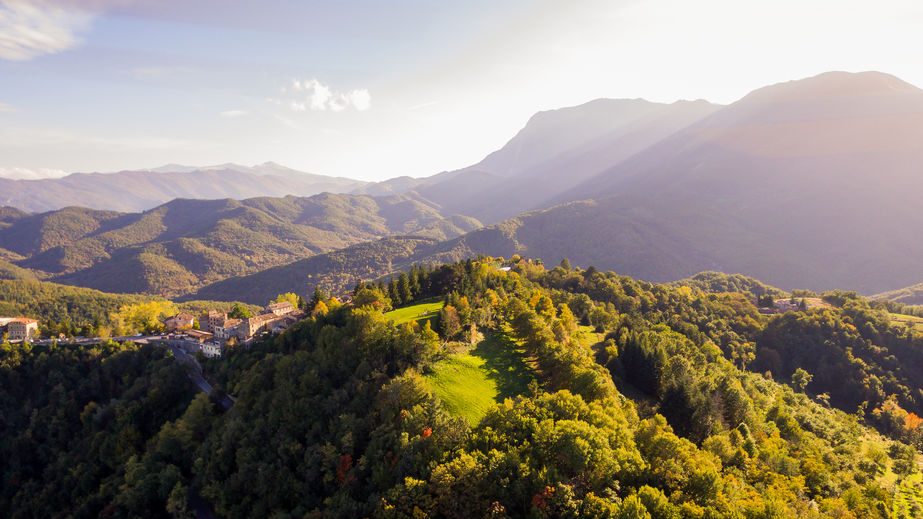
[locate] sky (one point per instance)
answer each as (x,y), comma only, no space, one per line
(375,89)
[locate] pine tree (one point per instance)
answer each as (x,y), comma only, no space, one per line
(403,289)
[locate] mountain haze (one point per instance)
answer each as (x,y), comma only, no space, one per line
(144,189)
(556,150)
(826,184)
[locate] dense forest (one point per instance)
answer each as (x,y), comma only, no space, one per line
(612,398)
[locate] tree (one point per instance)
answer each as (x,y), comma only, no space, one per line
(239,311)
(374,297)
(320,309)
(565,264)
(449,322)
(319,296)
(392,291)
(801,379)
(290,297)
(403,289)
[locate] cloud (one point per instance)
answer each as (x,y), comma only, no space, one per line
(423,105)
(233,113)
(312,95)
(31,174)
(7,109)
(30,28)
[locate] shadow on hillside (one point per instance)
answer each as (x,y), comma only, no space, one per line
(505,365)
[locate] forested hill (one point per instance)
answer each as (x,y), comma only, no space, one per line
(185,244)
(486,392)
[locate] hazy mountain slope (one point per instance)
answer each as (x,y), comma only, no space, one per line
(822,173)
(556,150)
(185,244)
(912,295)
(141,190)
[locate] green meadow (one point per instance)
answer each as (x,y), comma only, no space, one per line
(470,383)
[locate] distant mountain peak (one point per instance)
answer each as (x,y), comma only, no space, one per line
(832,84)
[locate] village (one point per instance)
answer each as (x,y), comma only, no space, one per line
(209,333)
(216,330)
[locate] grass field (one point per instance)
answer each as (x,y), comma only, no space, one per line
(471,383)
(419,312)
(900,318)
(908,500)
(587,335)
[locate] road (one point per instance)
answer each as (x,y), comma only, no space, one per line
(195,373)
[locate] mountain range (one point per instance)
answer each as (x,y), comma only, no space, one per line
(141,190)
(180,246)
(806,184)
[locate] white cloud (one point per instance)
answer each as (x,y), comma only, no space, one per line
(31,174)
(423,105)
(233,113)
(30,28)
(312,95)
(5,108)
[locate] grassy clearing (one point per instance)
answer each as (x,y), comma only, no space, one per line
(418,312)
(469,384)
(903,319)
(587,335)
(461,382)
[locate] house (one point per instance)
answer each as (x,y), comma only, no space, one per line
(226,329)
(22,328)
(211,319)
(180,321)
(280,309)
(198,335)
(256,325)
(212,349)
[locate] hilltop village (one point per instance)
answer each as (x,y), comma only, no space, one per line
(209,332)
(216,329)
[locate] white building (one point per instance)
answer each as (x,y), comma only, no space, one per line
(21,328)
(212,349)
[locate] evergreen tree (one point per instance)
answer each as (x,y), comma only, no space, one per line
(403,289)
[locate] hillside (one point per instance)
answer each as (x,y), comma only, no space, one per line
(912,295)
(144,189)
(555,151)
(336,272)
(801,184)
(784,171)
(505,407)
(183,245)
